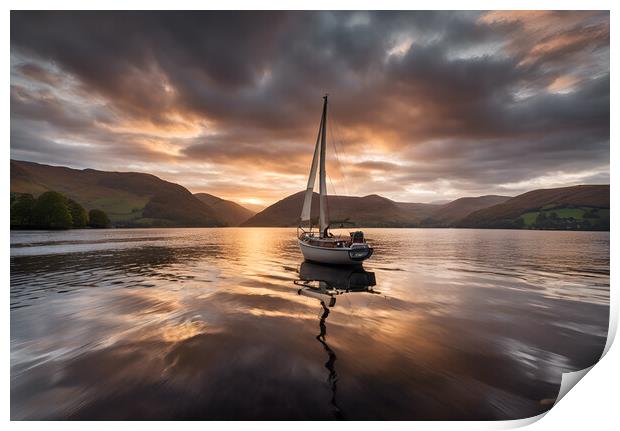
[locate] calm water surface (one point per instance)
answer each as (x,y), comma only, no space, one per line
(208,324)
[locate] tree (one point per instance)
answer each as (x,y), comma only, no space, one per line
(98,219)
(541,219)
(21,210)
(52,212)
(78,214)
(591,213)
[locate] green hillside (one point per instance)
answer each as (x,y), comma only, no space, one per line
(129,198)
(583,207)
(452,212)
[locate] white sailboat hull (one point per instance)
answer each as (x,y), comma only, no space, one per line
(335,256)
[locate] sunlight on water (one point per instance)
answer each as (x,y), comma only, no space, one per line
(208,324)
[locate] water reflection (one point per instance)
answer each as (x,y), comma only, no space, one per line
(177,323)
(332,377)
(325,283)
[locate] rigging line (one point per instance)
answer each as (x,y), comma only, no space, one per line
(333,135)
(332,183)
(334,139)
(335,193)
(327,197)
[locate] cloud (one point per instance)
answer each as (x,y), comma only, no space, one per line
(229,102)
(35,72)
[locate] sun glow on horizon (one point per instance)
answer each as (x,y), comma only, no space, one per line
(252,201)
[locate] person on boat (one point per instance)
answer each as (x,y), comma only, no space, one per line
(327,234)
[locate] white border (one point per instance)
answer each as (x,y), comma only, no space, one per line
(592,404)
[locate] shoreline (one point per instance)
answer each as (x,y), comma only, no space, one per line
(293,227)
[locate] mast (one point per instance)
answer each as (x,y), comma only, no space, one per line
(323,218)
(306,211)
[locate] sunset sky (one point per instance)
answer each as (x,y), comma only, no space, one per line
(424,106)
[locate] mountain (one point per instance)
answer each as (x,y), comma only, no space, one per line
(134,199)
(129,198)
(578,207)
(573,208)
(452,212)
(233,213)
(368,211)
(417,212)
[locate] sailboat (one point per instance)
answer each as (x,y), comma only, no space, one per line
(321,245)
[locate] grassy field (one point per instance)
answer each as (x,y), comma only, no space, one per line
(578,214)
(121,209)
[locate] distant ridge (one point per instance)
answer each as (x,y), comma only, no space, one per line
(451,212)
(134,199)
(573,208)
(233,213)
(369,211)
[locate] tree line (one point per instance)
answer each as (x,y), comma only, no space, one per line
(591,221)
(53,210)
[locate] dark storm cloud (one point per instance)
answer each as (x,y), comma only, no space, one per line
(44,106)
(478,99)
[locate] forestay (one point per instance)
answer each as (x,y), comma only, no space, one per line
(306,211)
(318,159)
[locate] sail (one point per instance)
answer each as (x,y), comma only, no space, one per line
(323,218)
(306,211)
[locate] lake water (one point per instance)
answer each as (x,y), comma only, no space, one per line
(209,324)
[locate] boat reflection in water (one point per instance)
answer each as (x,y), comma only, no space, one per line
(326,283)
